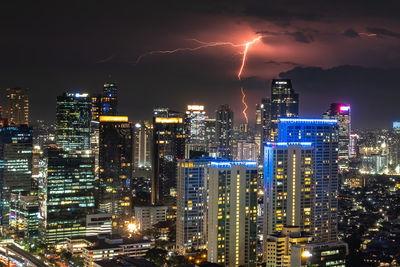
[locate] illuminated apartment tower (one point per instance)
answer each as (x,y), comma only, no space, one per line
(168,146)
(323,134)
(224,131)
(143,137)
(231,213)
(16,164)
(68,192)
(196,135)
(284,104)
(342,113)
(110,99)
(288,185)
(18,106)
(73,116)
(190,204)
(115,165)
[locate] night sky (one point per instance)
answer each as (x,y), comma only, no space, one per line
(332,50)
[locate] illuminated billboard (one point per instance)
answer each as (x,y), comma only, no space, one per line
(168,120)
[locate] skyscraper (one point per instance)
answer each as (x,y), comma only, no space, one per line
(196,129)
(323,134)
(110,99)
(68,191)
(169,136)
(143,137)
(224,131)
(16,164)
(342,113)
(115,165)
(284,104)
(288,185)
(231,205)
(73,116)
(68,194)
(190,204)
(18,106)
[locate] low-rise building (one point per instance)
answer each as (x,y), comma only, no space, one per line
(147,216)
(278,245)
(331,254)
(101,247)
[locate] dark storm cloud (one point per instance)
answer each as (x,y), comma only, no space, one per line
(272,62)
(366,89)
(383,32)
(53,46)
(351,33)
(301,37)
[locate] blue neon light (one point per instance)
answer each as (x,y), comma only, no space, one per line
(229,164)
(286,144)
(308,120)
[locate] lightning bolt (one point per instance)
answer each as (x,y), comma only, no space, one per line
(245,105)
(246,49)
(203,45)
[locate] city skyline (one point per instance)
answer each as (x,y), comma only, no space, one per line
(314,46)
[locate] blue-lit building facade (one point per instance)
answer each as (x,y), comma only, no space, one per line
(288,185)
(190,204)
(323,134)
(231,212)
(15,164)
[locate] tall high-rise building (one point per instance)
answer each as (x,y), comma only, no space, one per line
(190,204)
(97,108)
(73,116)
(143,138)
(284,104)
(263,120)
(196,129)
(231,212)
(115,165)
(169,136)
(224,131)
(323,134)
(210,135)
(18,106)
(68,194)
(110,99)
(342,113)
(288,185)
(353,145)
(16,164)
